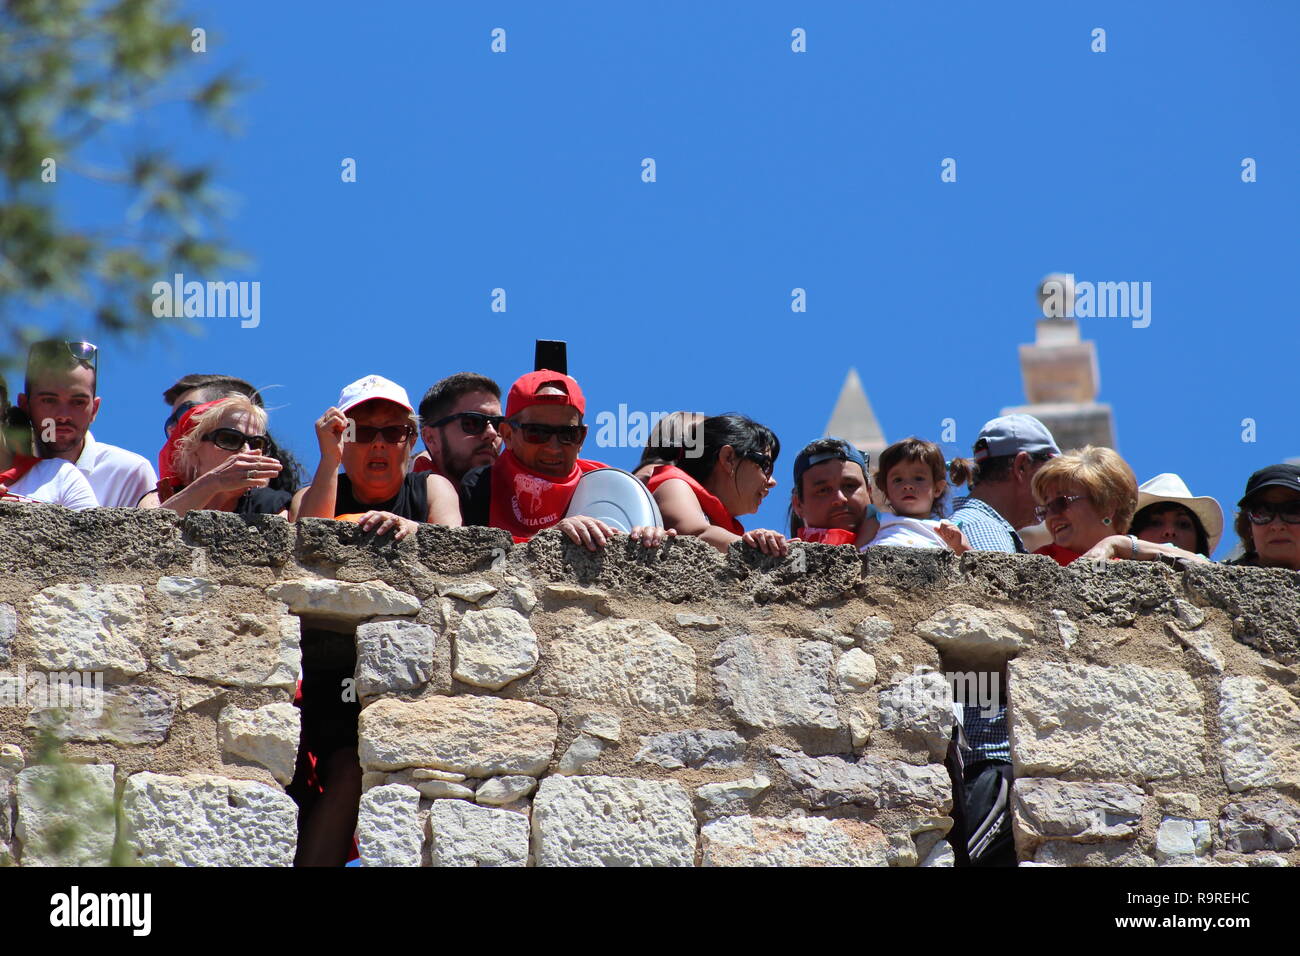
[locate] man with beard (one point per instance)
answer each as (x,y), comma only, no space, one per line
(60,398)
(460,421)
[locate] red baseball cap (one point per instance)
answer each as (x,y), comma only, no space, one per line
(523,394)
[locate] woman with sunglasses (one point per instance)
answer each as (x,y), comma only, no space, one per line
(1087,498)
(215,460)
(370,434)
(1269,520)
(703,494)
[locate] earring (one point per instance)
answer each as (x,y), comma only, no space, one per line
(1106,521)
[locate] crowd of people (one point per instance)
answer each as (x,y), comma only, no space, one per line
(518,470)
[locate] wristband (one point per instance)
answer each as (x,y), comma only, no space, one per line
(1134,540)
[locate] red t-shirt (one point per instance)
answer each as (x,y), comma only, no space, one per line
(710,504)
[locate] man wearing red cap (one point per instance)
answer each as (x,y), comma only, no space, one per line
(529,487)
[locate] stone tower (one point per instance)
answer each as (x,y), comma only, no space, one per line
(853,419)
(1061,374)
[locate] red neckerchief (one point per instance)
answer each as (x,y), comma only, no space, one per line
(710,503)
(20,466)
(525,502)
(1060,555)
(169,479)
(827,535)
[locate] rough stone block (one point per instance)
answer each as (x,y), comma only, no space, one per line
(731,798)
(613,821)
(1084,812)
(8,630)
(1261,731)
(625,663)
(873,781)
(463,834)
(65,815)
(920,706)
(1062,853)
(857,669)
(494,647)
(584,750)
(235,650)
(1266,822)
(476,736)
(1081,721)
(83,627)
(977,635)
(502,790)
(605,726)
(342,600)
(393,655)
(776,682)
(1179,841)
(389,829)
(206,820)
(130,714)
(696,749)
(268,736)
(793,841)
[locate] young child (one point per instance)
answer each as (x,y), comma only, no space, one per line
(911,474)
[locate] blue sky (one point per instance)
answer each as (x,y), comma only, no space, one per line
(775,170)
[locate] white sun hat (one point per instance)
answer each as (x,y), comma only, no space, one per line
(1169,487)
(372,387)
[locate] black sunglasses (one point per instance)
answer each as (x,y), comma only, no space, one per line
(471,423)
(175,416)
(764,463)
(393,434)
(541,434)
(1261,514)
(232,439)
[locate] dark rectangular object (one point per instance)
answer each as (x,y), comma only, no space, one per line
(551,354)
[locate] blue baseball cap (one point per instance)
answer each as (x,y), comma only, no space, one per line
(845,451)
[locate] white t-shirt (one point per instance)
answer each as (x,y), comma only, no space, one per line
(56,482)
(900,532)
(119,478)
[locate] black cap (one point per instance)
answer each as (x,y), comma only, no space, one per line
(1280,476)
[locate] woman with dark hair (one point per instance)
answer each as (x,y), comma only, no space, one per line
(1169,514)
(724,471)
(666,441)
(1269,520)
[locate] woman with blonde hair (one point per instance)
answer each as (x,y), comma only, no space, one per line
(1087,497)
(215,460)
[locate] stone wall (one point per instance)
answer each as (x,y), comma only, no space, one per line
(537,704)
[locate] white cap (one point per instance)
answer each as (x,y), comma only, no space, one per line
(1169,487)
(372,387)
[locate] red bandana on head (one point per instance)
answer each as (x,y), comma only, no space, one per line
(525,502)
(169,478)
(827,535)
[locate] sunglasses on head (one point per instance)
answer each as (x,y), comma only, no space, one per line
(232,439)
(1288,511)
(1056,506)
(392,434)
(541,434)
(175,416)
(57,349)
(471,423)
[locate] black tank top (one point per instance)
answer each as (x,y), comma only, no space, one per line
(411,501)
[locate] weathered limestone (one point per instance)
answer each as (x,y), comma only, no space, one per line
(1269,822)
(65,815)
(874,631)
(776,682)
(1080,721)
(873,781)
(697,749)
(472,592)
(978,635)
(605,726)
(268,736)
(463,834)
(857,669)
(624,663)
(476,736)
(612,821)
(8,630)
(499,791)
(235,650)
(206,820)
(1180,841)
(342,600)
(1261,735)
(494,647)
(129,714)
(1082,812)
(921,706)
(389,829)
(83,627)
(583,750)
(793,841)
(1062,853)
(731,798)
(393,655)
